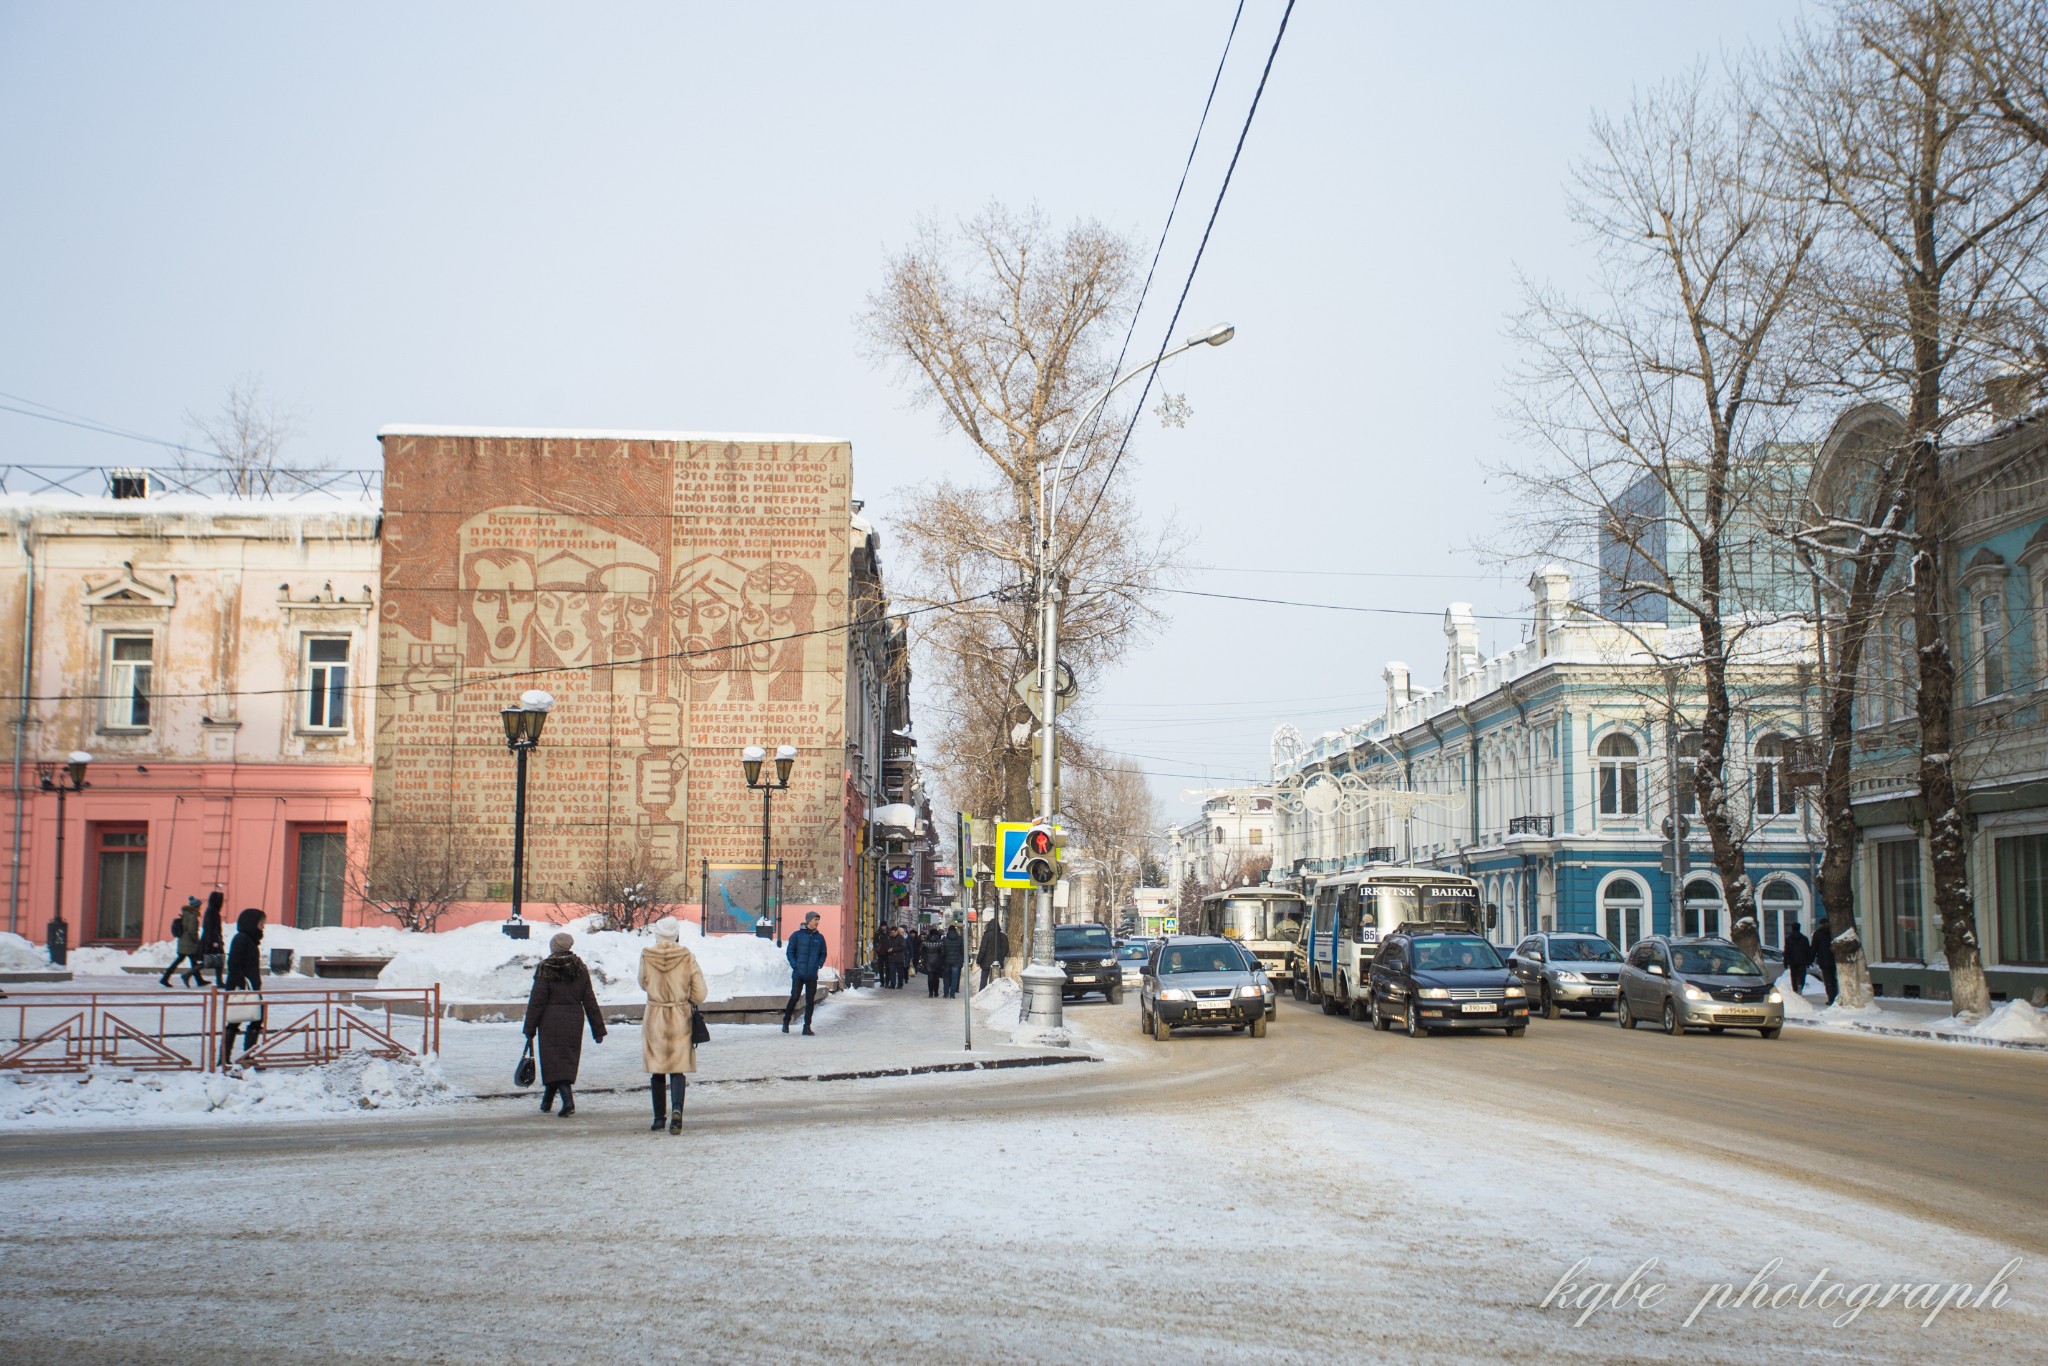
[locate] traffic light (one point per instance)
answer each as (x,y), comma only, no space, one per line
(1042,845)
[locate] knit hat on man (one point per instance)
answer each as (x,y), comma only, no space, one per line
(667,929)
(561,943)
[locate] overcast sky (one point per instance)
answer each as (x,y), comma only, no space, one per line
(667,217)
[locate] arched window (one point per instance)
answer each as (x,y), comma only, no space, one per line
(1702,912)
(1773,797)
(1990,645)
(1619,773)
(1688,774)
(1777,906)
(1621,913)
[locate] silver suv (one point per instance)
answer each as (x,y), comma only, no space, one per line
(1567,972)
(1697,983)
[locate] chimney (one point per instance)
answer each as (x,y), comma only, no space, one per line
(1396,676)
(1551,588)
(1461,642)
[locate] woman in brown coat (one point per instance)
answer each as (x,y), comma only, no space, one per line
(674,983)
(562,1000)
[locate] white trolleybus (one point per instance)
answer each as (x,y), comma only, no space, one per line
(1266,920)
(1354,911)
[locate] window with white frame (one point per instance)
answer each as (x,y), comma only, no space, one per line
(130,672)
(1990,644)
(1689,774)
(325,668)
(1620,775)
(1773,796)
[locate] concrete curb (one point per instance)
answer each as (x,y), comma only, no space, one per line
(1925,1036)
(865,1074)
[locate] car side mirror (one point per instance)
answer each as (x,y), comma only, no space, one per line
(1654,969)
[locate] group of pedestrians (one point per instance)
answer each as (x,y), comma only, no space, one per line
(236,967)
(198,937)
(1803,955)
(900,952)
(564,1003)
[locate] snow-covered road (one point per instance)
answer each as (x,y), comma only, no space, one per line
(1324,1194)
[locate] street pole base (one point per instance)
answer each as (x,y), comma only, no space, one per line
(1041,1006)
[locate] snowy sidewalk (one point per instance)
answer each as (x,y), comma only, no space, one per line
(2012,1024)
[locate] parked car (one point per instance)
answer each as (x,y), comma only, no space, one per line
(1088,956)
(1263,976)
(1697,983)
(1430,979)
(1197,980)
(1568,972)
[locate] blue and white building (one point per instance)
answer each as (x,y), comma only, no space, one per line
(1548,773)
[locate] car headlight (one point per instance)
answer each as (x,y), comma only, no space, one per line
(1109,962)
(1517,991)
(1434,994)
(1577,979)
(1693,993)
(1250,989)
(1173,994)
(1774,998)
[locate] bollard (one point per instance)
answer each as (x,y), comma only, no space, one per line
(58,942)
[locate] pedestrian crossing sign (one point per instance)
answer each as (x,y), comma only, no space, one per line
(1009,846)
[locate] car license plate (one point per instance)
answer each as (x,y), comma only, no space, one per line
(1742,1014)
(1603,991)
(1213,1005)
(1477,1007)
(1083,976)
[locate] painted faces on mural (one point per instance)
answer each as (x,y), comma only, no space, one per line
(564,606)
(625,608)
(500,586)
(704,607)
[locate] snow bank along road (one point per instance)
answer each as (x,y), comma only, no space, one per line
(1326,1194)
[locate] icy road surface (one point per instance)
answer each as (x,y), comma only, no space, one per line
(1327,1194)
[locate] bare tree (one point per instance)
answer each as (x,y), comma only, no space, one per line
(629,890)
(416,873)
(1938,211)
(1657,407)
(1004,327)
(243,441)
(1112,817)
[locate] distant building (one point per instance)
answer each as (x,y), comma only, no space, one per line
(1233,834)
(212,652)
(1548,773)
(1647,551)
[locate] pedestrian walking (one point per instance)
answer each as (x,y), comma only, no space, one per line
(993,952)
(245,973)
(185,938)
(881,953)
(952,954)
(562,1000)
(1824,959)
(806,954)
(933,955)
(1798,956)
(899,956)
(212,946)
(675,988)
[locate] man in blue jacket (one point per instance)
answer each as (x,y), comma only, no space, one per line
(806,954)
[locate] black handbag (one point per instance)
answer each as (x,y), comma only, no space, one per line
(524,1073)
(699,1031)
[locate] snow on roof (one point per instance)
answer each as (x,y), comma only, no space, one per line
(191,505)
(606,434)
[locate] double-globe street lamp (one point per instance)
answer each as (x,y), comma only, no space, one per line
(522,732)
(751,760)
(1043,979)
(52,779)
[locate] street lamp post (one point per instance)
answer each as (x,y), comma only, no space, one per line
(751,759)
(1043,979)
(52,780)
(522,732)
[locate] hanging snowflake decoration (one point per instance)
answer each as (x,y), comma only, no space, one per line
(1173,410)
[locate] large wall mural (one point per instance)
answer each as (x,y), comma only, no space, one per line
(677,598)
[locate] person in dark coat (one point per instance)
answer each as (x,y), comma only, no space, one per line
(881,954)
(212,945)
(245,973)
(899,957)
(993,952)
(1824,959)
(932,954)
(806,954)
(562,1000)
(1798,956)
(185,933)
(952,954)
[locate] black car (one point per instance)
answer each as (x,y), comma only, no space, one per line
(1444,977)
(1087,954)
(1195,980)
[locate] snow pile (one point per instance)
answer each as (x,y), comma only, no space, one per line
(355,1082)
(1797,1007)
(2013,1022)
(19,955)
(478,963)
(1001,1003)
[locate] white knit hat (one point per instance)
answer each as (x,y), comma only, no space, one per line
(666,928)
